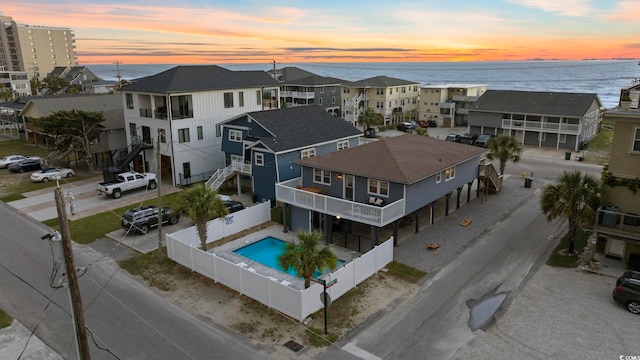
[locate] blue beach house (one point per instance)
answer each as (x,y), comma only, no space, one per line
(263,145)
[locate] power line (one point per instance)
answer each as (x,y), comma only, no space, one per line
(38,323)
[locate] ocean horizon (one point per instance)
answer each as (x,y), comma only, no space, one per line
(602,77)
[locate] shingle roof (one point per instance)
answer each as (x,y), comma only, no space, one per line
(296,76)
(200,78)
(301,126)
(534,102)
(51,104)
(403,159)
(380,81)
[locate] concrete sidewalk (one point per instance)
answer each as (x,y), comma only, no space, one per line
(13,340)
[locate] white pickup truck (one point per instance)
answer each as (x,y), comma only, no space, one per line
(127,181)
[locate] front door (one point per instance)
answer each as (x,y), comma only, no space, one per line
(348,187)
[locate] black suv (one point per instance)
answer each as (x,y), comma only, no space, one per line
(627,291)
(141,219)
(233,206)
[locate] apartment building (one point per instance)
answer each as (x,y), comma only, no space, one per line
(394,99)
(448,104)
(36,50)
(301,88)
(618,222)
(15,81)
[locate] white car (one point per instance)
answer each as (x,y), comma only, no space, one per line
(11,159)
(47,174)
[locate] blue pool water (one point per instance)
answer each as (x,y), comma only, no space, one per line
(267,251)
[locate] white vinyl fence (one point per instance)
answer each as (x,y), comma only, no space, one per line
(270,291)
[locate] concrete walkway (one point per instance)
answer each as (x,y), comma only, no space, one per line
(16,343)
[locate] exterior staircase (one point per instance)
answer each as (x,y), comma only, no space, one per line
(125,156)
(489,175)
(221,175)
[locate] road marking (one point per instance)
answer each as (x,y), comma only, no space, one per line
(353,349)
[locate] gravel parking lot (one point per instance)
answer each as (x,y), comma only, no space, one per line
(560,314)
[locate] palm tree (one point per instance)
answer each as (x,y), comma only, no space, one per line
(369,118)
(201,204)
(504,148)
(308,256)
(576,197)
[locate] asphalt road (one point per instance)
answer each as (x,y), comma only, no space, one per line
(435,323)
(124,316)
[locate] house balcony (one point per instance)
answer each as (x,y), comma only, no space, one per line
(541,126)
(462,111)
(464,98)
(298,94)
(291,192)
(145,113)
(618,224)
(447,105)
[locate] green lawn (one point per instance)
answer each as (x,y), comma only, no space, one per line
(559,260)
(90,228)
(5,320)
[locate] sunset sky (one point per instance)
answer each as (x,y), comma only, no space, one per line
(202,31)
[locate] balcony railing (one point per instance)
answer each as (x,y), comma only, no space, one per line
(288,192)
(145,113)
(298,94)
(619,224)
(541,126)
(447,105)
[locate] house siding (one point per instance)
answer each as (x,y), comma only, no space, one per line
(264,189)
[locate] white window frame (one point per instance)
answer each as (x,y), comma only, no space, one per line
(635,140)
(184,135)
(344,144)
(235,135)
(307,153)
(439,177)
(322,176)
(259,159)
(379,188)
(449,173)
(200,132)
(236,158)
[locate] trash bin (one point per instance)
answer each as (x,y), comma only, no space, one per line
(528,182)
(567,155)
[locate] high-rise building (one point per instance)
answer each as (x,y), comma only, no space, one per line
(35,49)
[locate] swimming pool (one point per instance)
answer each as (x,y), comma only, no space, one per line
(267,251)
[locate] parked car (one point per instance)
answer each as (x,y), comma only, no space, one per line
(233,206)
(627,291)
(483,140)
(47,174)
(423,123)
(432,123)
(11,159)
(468,138)
(405,126)
(26,165)
(453,137)
(140,220)
(370,133)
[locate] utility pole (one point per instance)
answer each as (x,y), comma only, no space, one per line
(72,278)
(159,166)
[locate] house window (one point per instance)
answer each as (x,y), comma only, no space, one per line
(129,98)
(200,133)
(343,144)
(449,173)
(236,158)
(228,100)
(235,135)
(333,99)
(241,99)
(307,153)
(163,136)
(378,187)
(333,89)
(258,98)
(184,108)
(133,131)
(321,90)
(320,101)
(183,135)
(218,130)
(259,159)
(438,177)
(636,140)
(563,138)
(322,176)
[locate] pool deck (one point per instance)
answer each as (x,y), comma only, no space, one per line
(226,251)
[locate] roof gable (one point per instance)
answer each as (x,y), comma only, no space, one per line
(200,78)
(395,159)
(536,102)
(380,81)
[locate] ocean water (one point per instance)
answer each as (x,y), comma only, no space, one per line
(602,77)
